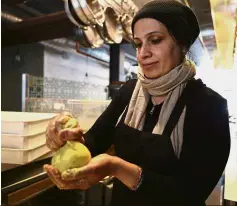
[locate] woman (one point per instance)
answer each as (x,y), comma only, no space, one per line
(170,131)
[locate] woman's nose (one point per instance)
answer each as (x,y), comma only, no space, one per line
(144,52)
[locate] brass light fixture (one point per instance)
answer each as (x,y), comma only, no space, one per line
(224,20)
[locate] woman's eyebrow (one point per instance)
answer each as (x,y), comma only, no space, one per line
(150,33)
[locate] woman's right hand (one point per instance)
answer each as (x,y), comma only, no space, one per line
(56,138)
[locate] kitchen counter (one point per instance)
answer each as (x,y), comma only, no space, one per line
(29,185)
(19,182)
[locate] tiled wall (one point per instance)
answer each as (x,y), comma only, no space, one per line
(67,75)
(45,94)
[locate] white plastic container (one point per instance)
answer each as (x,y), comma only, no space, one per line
(22,156)
(19,141)
(25,123)
(7,166)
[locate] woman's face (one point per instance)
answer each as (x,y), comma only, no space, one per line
(157,51)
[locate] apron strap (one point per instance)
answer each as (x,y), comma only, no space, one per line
(179,107)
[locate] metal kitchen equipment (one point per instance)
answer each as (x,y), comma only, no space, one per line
(88,37)
(93,11)
(111,31)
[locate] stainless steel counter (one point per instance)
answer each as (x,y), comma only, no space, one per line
(19,181)
(29,185)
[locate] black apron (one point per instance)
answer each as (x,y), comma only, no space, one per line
(150,151)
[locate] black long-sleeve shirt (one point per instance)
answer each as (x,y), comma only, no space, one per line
(205,149)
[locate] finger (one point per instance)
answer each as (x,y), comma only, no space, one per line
(70,174)
(53,170)
(82,184)
(49,128)
(51,137)
(55,176)
(52,144)
(48,131)
(55,137)
(52,140)
(67,114)
(77,173)
(71,134)
(62,119)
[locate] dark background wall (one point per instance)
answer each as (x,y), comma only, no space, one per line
(28,58)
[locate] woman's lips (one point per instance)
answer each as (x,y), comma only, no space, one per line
(146,66)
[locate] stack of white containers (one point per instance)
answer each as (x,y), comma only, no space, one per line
(23,136)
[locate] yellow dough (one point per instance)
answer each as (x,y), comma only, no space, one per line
(71,155)
(71,123)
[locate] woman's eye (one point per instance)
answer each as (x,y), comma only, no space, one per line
(137,45)
(155,41)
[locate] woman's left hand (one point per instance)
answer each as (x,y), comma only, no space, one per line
(84,177)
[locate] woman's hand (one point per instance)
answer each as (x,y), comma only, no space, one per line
(56,138)
(84,177)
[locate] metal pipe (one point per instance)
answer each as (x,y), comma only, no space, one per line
(14,19)
(29,10)
(10,17)
(35,29)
